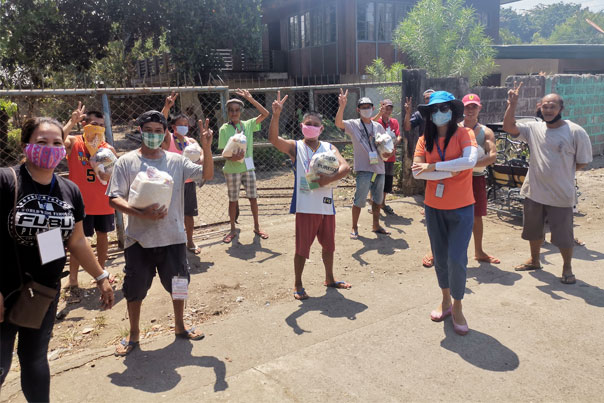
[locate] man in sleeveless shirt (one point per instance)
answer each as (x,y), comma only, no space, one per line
(99,215)
(312,204)
(485,138)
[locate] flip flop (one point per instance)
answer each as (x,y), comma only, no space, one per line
(565,279)
(579,242)
(300,295)
(428,261)
(339,284)
(189,334)
(527,267)
(354,235)
(195,249)
(261,234)
(129,346)
(228,238)
(381,231)
(489,259)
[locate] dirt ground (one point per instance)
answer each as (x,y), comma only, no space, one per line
(260,272)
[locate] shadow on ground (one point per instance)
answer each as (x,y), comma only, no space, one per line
(333,304)
(479,349)
(591,294)
(487,273)
(383,244)
(150,371)
(248,252)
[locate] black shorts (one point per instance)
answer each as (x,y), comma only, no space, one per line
(98,223)
(388,179)
(190,199)
(142,263)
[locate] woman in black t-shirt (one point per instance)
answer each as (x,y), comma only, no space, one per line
(45,202)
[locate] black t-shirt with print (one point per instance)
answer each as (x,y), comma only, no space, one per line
(37,210)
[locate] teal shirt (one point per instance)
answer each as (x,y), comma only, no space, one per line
(226,131)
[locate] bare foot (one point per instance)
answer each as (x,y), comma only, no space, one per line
(458,315)
(483,257)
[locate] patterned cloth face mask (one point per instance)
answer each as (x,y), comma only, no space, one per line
(153,140)
(43,156)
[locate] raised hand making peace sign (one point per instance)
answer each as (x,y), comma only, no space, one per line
(278,103)
(205,133)
(171,100)
(343,98)
(78,114)
(408,104)
(514,93)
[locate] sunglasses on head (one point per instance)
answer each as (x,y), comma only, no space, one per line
(440,107)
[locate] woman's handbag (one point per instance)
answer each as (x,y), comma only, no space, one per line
(34,299)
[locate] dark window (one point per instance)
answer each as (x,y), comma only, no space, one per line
(316,37)
(385,23)
(366,21)
(329,27)
(305,30)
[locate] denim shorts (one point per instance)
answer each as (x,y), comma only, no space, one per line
(364,185)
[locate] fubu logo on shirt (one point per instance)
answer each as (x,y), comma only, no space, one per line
(37,213)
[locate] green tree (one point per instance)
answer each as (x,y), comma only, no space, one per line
(445,38)
(380,72)
(576,29)
(508,38)
(514,25)
(544,18)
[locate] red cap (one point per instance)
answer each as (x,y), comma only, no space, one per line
(471,99)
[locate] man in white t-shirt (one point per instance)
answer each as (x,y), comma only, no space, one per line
(558,149)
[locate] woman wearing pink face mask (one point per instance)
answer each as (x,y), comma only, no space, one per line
(44,202)
(312,202)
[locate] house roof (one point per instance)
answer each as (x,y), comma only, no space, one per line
(562,51)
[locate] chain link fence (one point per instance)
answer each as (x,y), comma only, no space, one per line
(122,106)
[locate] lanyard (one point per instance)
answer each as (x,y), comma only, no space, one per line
(181,144)
(306,161)
(46,203)
(368,138)
(441,153)
(236,128)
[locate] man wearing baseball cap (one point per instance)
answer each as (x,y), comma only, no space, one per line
(368,165)
(485,138)
(155,237)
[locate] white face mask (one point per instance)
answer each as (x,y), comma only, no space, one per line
(366,113)
(183,130)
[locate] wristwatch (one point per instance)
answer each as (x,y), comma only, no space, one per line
(102,276)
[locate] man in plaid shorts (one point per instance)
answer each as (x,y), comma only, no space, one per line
(237,172)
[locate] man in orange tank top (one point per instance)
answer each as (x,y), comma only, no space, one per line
(99,215)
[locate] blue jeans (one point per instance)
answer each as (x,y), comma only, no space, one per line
(450,232)
(364,185)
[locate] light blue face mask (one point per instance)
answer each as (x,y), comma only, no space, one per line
(442,118)
(183,130)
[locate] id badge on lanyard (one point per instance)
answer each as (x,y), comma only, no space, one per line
(307,181)
(50,242)
(180,288)
(373,155)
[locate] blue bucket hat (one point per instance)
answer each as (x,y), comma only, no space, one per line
(440,97)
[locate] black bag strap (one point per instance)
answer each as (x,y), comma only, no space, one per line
(12,170)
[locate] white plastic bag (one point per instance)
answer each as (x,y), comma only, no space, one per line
(385,145)
(236,144)
(150,187)
(325,163)
(102,162)
(481,154)
(192,152)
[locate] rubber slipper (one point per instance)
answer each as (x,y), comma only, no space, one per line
(339,284)
(228,238)
(565,279)
(489,259)
(189,335)
(381,231)
(261,234)
(354,235)
(428,261)
(436,316)
(195,249)
(527,267)
(300,295)
(129,346)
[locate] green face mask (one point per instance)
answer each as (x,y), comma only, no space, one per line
(153,140)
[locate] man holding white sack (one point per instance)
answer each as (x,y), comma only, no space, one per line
(239,168)
(368,164)
(155,236)
(312,201)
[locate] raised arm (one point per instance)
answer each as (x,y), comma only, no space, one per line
(342,100)
(170,101)
(76,117)
(380,112)
(509,119)
(407,120)
(205,135)
(248,97)
(285,146)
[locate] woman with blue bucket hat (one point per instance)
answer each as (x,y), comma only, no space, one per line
(444,157)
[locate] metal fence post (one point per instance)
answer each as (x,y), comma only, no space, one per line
(119,218)
(311,99)
(224,97)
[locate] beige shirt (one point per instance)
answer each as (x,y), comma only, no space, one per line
(554,156)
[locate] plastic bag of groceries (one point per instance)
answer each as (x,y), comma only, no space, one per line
(102,163)
(150,187)
(235,145)
(481,154)
(385,145)
(325,163)
(192,152)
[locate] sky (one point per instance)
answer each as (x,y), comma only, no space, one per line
(594,5)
